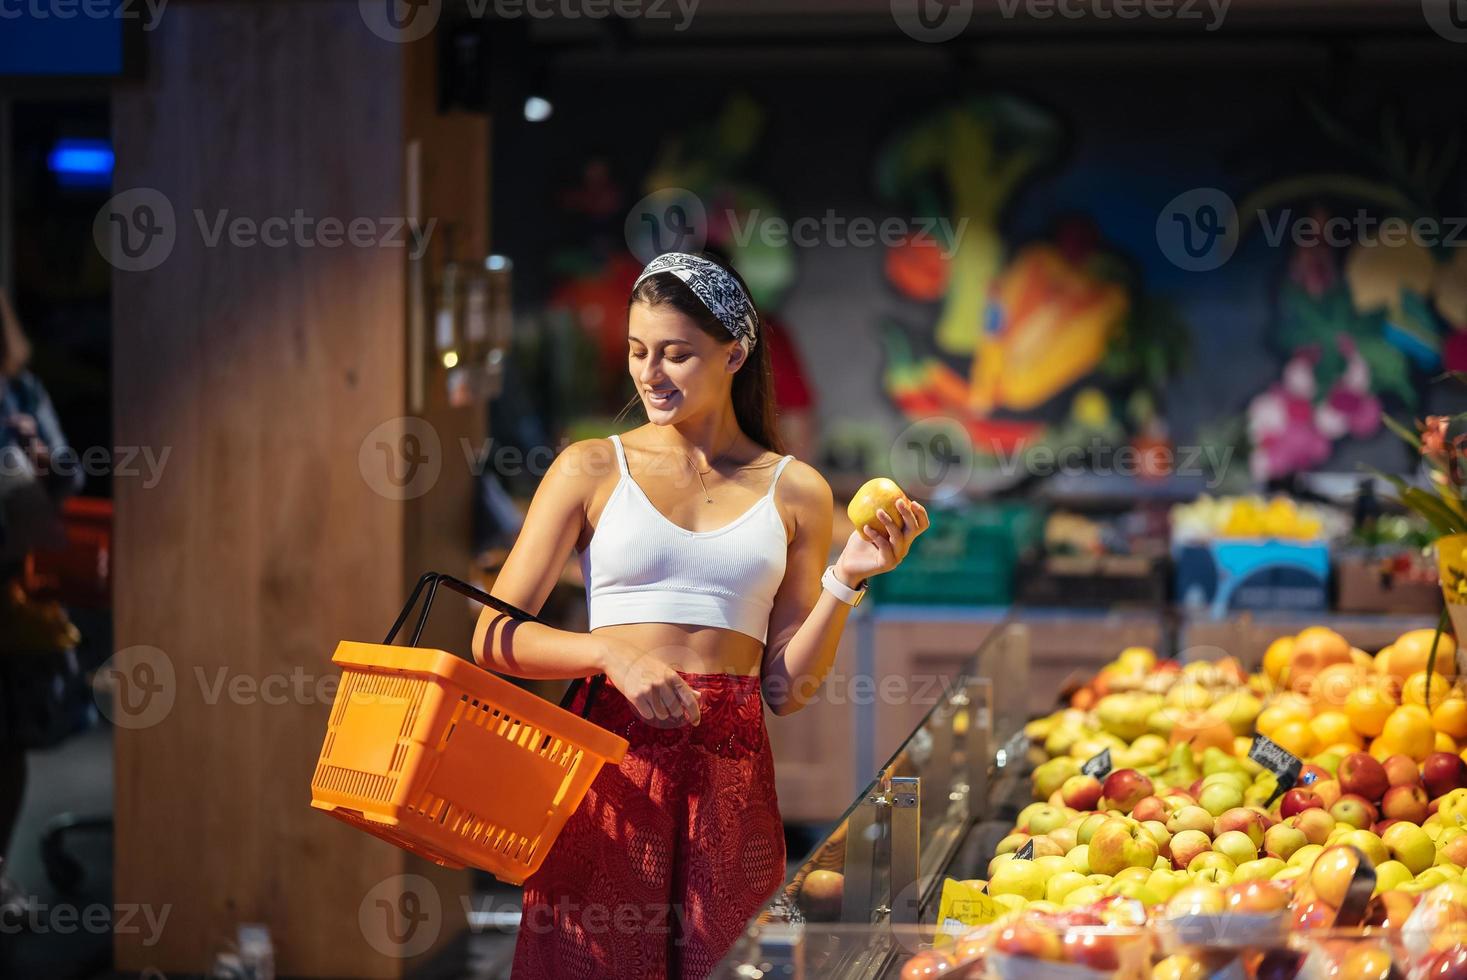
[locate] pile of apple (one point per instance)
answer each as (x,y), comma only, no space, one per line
(1186,823)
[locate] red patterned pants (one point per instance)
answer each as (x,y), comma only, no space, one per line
(669,854)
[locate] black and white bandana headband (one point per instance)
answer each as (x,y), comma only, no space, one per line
(717,290)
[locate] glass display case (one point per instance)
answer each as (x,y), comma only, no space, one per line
(866,897)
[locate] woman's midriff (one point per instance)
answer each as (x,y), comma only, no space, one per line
(692,649)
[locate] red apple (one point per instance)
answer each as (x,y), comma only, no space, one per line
(1401,770)
(1150,808)
(1448,964)
(1297,800)
(1406,803)
(1243,820)
(1315,823)
(1455,850)
(1360,774)
(1030,938)
(1096,948)
(926,965)
(1259,897)
(1381,826)
(820,895)
(1355,810)
(1443,772)
(1081,792)
(1332,872)
(1124,788)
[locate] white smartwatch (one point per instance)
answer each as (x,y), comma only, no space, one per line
(833,585)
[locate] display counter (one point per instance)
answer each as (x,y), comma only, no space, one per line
(865,897)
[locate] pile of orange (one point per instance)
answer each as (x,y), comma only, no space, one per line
(1329,696)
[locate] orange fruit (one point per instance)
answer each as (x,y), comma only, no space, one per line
(1368,706)
(1410,652)
(1315,648)
(1463,755)
(1414,690)
(1333,684)
(1451,717)
(1334,728)
(1383,661)
(1297,738)
(1280,712)
(1445,743)
(1408,731)
(1276,658)
(1362,659)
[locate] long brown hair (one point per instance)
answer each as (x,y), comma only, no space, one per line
(753,383)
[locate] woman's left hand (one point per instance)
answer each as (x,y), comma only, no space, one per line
(870,551)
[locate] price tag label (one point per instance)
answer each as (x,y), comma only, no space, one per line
(1025,853)
(976,910)
(1097,765)
(1277,760)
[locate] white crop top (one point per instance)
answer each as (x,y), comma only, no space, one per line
(640,567)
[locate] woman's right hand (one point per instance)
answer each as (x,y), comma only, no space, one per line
(657,691)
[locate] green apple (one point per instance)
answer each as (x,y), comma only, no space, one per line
(1410,845)
(1376,850)
(1237,845)
(1084,895)
(1017,877)
(1158,832)
(1191,817)
(1218,798)
(1057,888)
(1046,818)
(1079,856)
(1087,828)
(1049,866)
(1050,776)
(1118,844)
(1389,875)
(1211,859)
(1165,883)
(1260,869)
(1305,856)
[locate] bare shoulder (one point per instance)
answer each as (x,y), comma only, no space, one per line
(805,491)
(585,463)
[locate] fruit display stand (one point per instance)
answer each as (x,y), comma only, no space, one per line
(1176,820)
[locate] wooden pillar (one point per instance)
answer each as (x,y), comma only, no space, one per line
(262,369)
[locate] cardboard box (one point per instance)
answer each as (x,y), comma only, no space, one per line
(1372,581)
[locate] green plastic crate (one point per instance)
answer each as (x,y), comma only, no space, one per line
(968,557)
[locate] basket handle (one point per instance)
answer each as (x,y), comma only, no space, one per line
(432,580)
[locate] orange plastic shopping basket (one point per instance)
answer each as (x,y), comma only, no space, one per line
(440,757)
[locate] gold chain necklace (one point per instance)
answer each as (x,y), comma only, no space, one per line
(706,497)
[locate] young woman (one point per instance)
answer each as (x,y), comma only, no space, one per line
(703,549)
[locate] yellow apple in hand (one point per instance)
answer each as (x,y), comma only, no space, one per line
(874,495)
